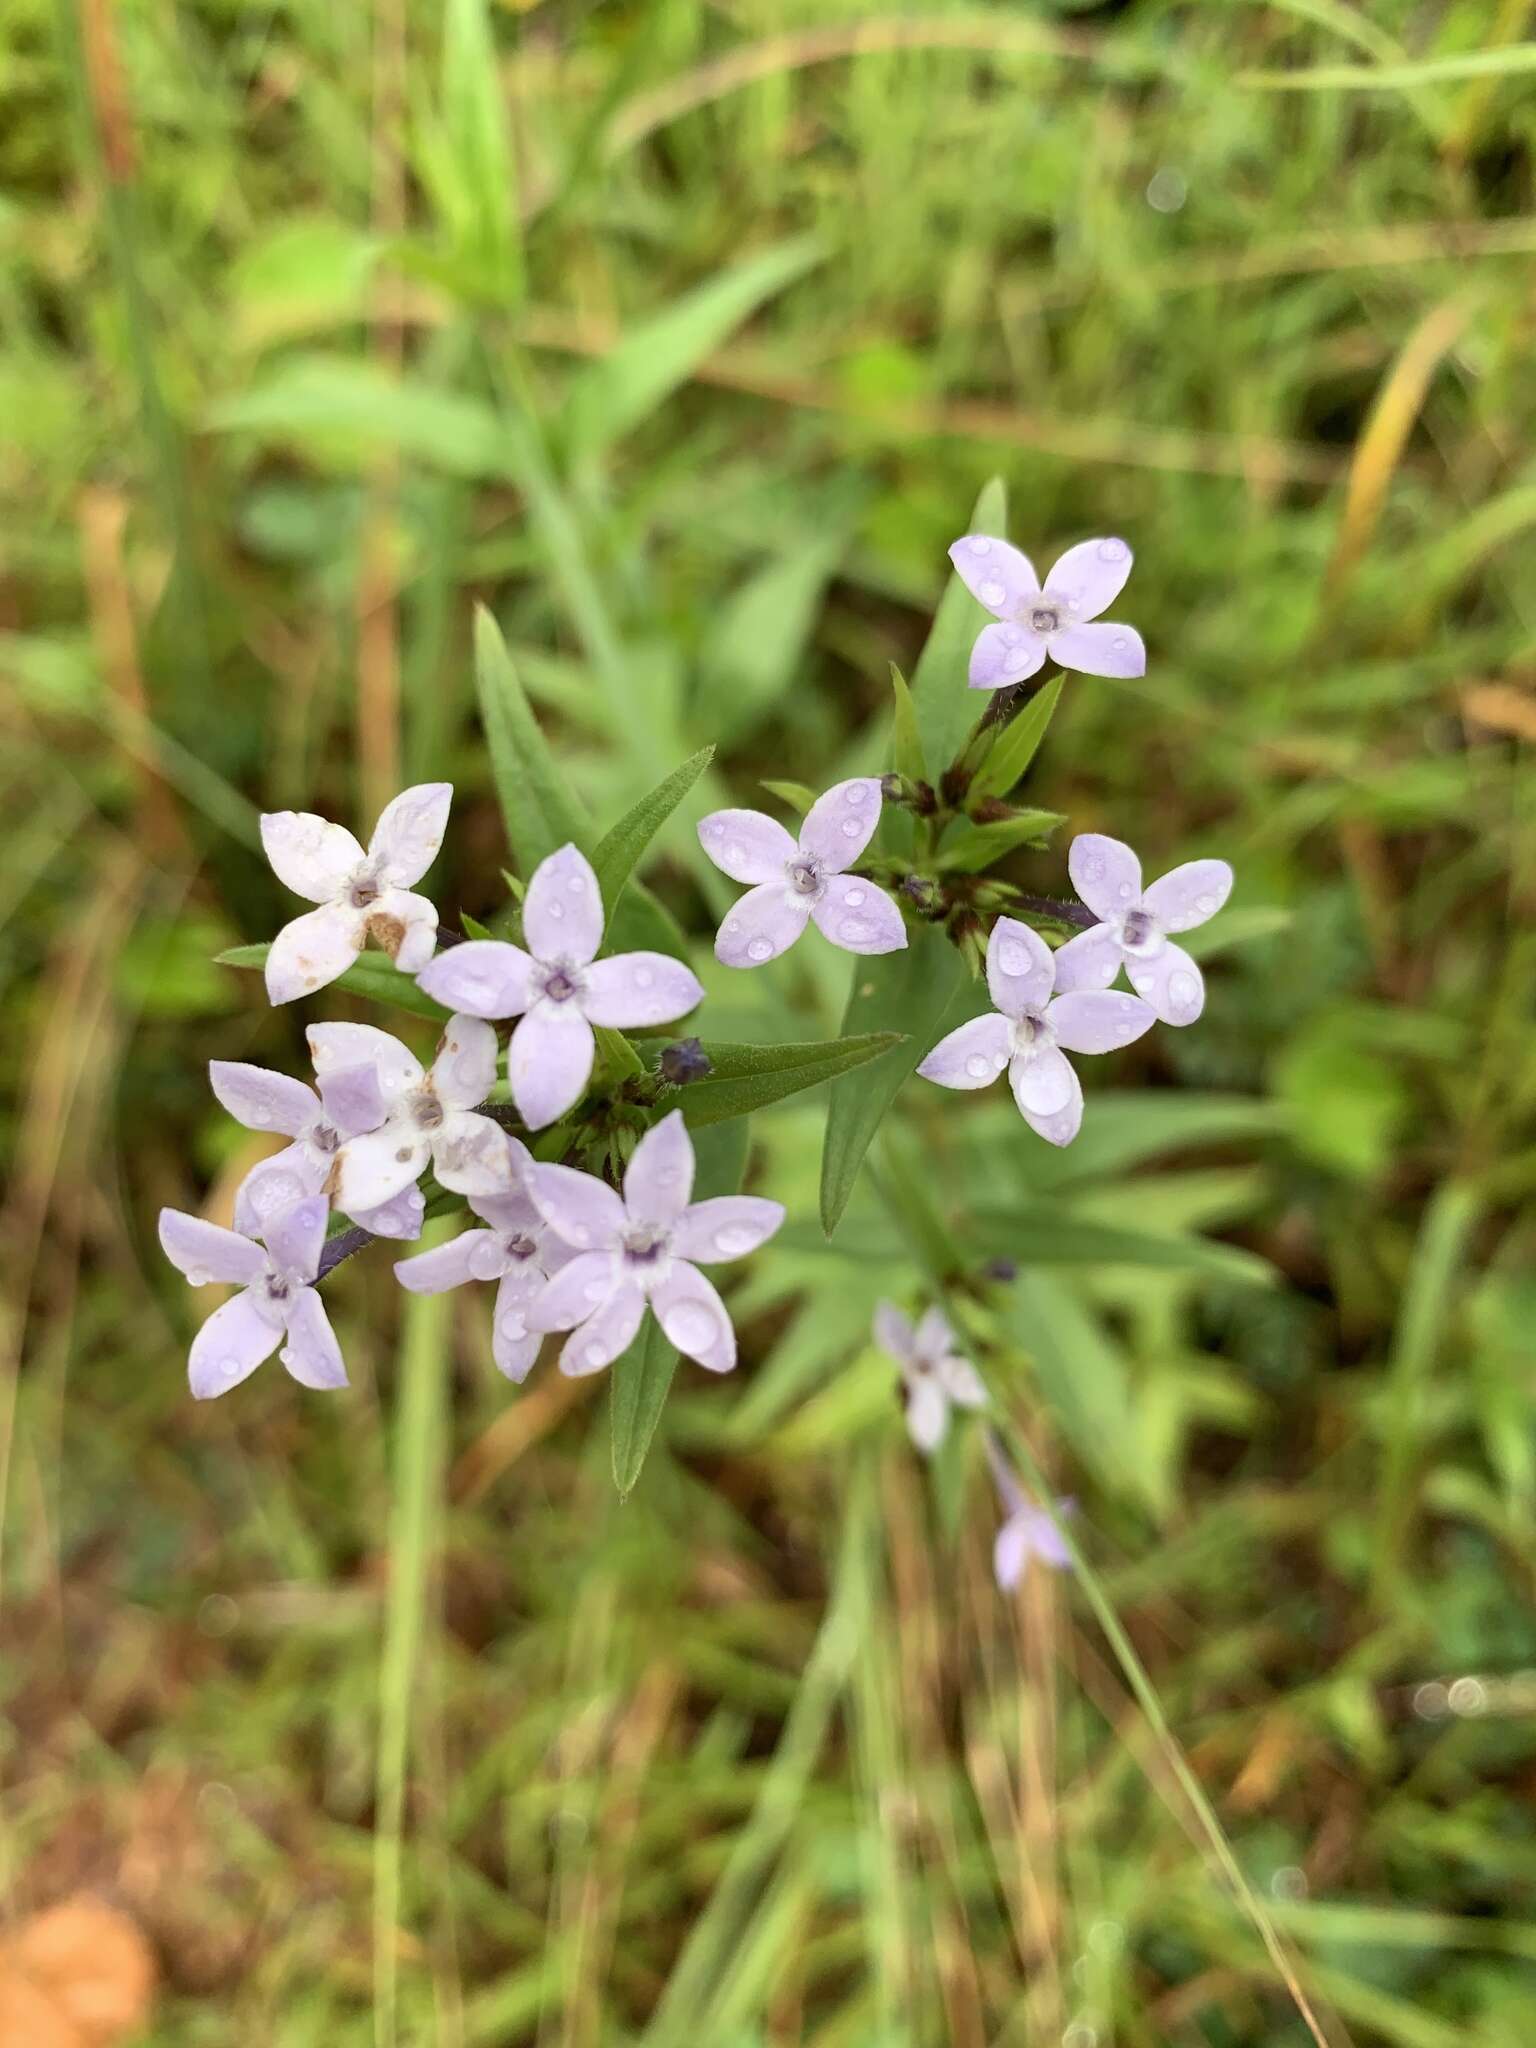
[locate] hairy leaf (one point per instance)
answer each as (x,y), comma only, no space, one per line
(748,1077)
(1017,744)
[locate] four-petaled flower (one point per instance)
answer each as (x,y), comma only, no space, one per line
(1031,1032)
(361,895)
(348,1104)
(278,1301)
(1029,1532)
(416,1116)
(1035,622)
(1136,923)
(641,1249)
(798,882)
(559,988)
(519,1250)
(934,1374)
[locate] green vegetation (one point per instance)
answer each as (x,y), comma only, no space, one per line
(683,339)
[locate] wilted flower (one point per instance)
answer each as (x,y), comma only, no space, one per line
(277,1300)
(933,1372)
(1028,1031)
(318,1125)
(640,1248)
(798,882)
(519,1250)
(416,1116)
(559,988)
(1136,924)
(361,895)
(1053,621)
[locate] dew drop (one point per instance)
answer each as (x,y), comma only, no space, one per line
(285,1356)
(556,910)
(853,898)
(981,546)
(1142,980)
(1119,643)
(759,950)
(736,852)
(715,827)
(513,1326)
(733,924)
(978,1066)
(1013,636)
(856,792)
(1113,551)
(198,1276)
(1124,891)
(992,593)
(851,828)
(1206,905)
(734,1240)
(691,1326)
(1013,958)
(855,931)
(485,1261)
(1183,991)
(576,884)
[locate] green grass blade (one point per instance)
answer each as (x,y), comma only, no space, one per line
(946,707)
(620,851)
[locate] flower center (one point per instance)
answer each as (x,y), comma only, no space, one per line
(804,873)
(644,1243)
(1032,1034)
(426,1110)
(1140,932)
(364,891)
(277,1288)
(519,1247)
(1045,618)
(561,982)
(325,1138)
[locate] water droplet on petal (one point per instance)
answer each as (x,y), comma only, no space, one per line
(285,1357)
(1013,958)
(978,1066)
(993,593)
(1119,643)
(485,1261)
(1013,636)
(1183,992)
(759,950)
(856,792)
(1206,905)
(556,910)
(595,1354)
(736,852)
(981,546)
(855,931)
(851,828)
(733,924)
(513,1326)
(691,1326)
(1113,551)
(1124,891)
(1143,979)
(853,898)
(734,1240)
(198,1276)
(715,827)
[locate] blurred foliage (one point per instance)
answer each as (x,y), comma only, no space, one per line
(684,337)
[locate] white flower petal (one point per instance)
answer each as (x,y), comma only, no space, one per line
(635,989)
(580,1288)
(277,1183)
(1186,896)
(1172,984)
(1049,1095)
(726,1227)
(204,1251)
(374,1168)
(294,1236)
(841,822)
(973,1055)
(1091,960)
(410,830)
(578,1207)
(996,573)
(927,1413)
(308,854)
(693,1317)
(470,1155)
(549,1062)
(333,1046)
(765,923)
(747,845)
(311,1353)
(563,909)
(606,1334)
(354,1101)
(935,1339)
(450,1265)
(1098,1020)
(404,926)
(310,952)
(400,1218)
(229,1347)
(894,1333)
(1002,655)
(961,1381)
(659,1177)
(1100,650)
(1020,969)
(1090,576)
(464,1071)
(262,1100)
(514,1345)
(481,978)
(857,916)
(1105,873)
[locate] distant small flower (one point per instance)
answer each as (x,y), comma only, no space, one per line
(1052,621)
(277,1300)
(798,882)
(414,1117)
(1029,1533)
(639,1249)
(1136,924)
(361,895)
(318,1125)
(933,1372)
(519,1250)
(559,988)
(1028,1031)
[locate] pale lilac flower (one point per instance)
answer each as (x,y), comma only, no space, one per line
(640,1248)
(1036,622)
(936,1377)
(559,987)
(1029,1533)
(798,882)
(348,1104)
(1136,924)
(361,895)
(415,1117)
(1031,1032)
(277,1303)
(519,1251)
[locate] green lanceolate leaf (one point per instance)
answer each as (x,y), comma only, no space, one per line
(371,974)
(907,756)
(538,806)
(620,851)
(1035,1234)
(654,358)
(976,847)
(1017,744)
(748,1077)
(795,794)
(643,1376)
(946,708)
(921,993)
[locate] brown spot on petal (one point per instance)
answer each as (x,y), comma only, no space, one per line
(388,932)
(332,1183)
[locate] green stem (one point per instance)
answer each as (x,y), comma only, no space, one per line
(420,1457)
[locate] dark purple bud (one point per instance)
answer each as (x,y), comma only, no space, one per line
(684,1062)
(1002,1270)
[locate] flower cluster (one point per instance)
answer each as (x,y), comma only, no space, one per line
(379,1140)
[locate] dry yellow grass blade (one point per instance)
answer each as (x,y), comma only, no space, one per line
(1379,449)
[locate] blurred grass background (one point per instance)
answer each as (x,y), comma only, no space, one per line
(684,335)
